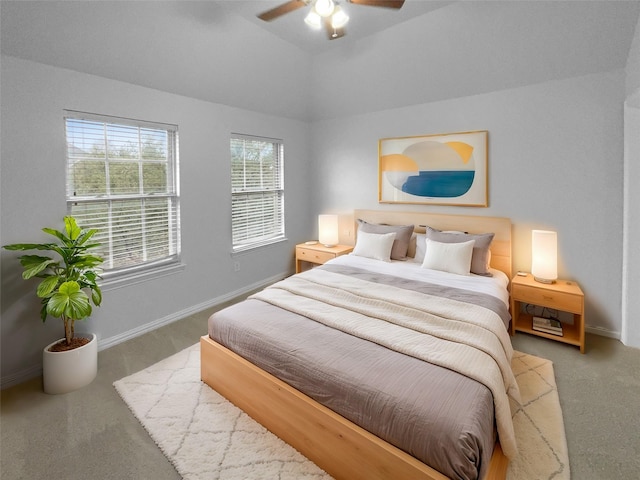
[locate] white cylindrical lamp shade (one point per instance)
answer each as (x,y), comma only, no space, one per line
(328,230)
(544,255)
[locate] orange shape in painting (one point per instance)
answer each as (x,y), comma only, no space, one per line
(397,162)
(463,149)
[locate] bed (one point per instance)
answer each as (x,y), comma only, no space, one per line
(415,417)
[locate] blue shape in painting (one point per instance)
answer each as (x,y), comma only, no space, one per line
(439,183)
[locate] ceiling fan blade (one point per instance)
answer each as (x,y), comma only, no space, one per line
(380,3)
(333,33)
(280,10)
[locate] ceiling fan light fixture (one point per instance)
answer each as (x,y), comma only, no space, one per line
(313,19)
(324,8)
(339,19)
(325,13)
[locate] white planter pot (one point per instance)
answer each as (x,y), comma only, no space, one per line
(64,372)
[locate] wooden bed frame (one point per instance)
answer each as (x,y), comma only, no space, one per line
(338,446)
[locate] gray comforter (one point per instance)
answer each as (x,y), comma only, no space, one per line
(441,417)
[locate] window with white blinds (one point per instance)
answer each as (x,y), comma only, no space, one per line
(257,191)
(122,179)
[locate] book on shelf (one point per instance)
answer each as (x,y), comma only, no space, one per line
(547,325)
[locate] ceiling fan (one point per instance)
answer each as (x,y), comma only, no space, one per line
(325,13)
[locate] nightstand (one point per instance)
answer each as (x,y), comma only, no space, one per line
(318,253)
(563,295)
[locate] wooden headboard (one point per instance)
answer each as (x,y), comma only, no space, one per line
(500,226)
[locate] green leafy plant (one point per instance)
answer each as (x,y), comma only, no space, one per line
(65,280)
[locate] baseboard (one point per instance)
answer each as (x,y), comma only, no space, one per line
(21,376)
(603,332)
(104,343)
(148,327)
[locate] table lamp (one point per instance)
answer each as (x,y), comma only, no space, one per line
(544,256)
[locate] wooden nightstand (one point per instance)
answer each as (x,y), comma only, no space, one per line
(318,253)
(565,296)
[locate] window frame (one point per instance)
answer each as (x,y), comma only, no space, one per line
(279,190)
(117,275)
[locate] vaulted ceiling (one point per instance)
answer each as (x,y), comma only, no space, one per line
(219,51)
(363,21)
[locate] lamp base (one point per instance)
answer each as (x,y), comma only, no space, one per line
(329,246)
(544,280)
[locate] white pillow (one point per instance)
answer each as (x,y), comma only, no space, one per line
(449,257)
(374,245)
(421,246)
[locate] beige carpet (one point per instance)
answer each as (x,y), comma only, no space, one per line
(206,437)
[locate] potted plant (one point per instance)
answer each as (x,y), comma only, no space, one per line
(68,289)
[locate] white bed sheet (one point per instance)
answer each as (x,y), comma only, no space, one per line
(495,286)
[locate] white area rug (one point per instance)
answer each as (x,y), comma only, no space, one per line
(206,437)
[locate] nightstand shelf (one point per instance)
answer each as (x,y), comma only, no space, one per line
(317,254)
(564,296)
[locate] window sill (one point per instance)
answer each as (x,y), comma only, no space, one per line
(133,278)
(253,246)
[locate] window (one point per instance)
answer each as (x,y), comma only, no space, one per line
(122,179)
(257,191)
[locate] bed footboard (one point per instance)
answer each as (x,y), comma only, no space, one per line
(338,446)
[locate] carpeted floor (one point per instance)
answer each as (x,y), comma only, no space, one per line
(204,436)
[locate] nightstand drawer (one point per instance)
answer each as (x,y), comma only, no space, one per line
(550,299)
(314,256)
(315,253)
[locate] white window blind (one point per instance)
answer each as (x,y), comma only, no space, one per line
(257,191)
(122,179)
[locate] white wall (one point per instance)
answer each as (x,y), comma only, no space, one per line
(33,196)
(633,63)
(631,253)
(555,161)
(631,268)
(631,257)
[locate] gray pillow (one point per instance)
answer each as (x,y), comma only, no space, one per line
(481,254)
(400,244)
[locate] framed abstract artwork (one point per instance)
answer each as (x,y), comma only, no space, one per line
(444,169)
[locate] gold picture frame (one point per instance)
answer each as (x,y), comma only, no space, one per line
(439,169)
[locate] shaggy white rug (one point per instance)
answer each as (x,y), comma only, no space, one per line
(206,437)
